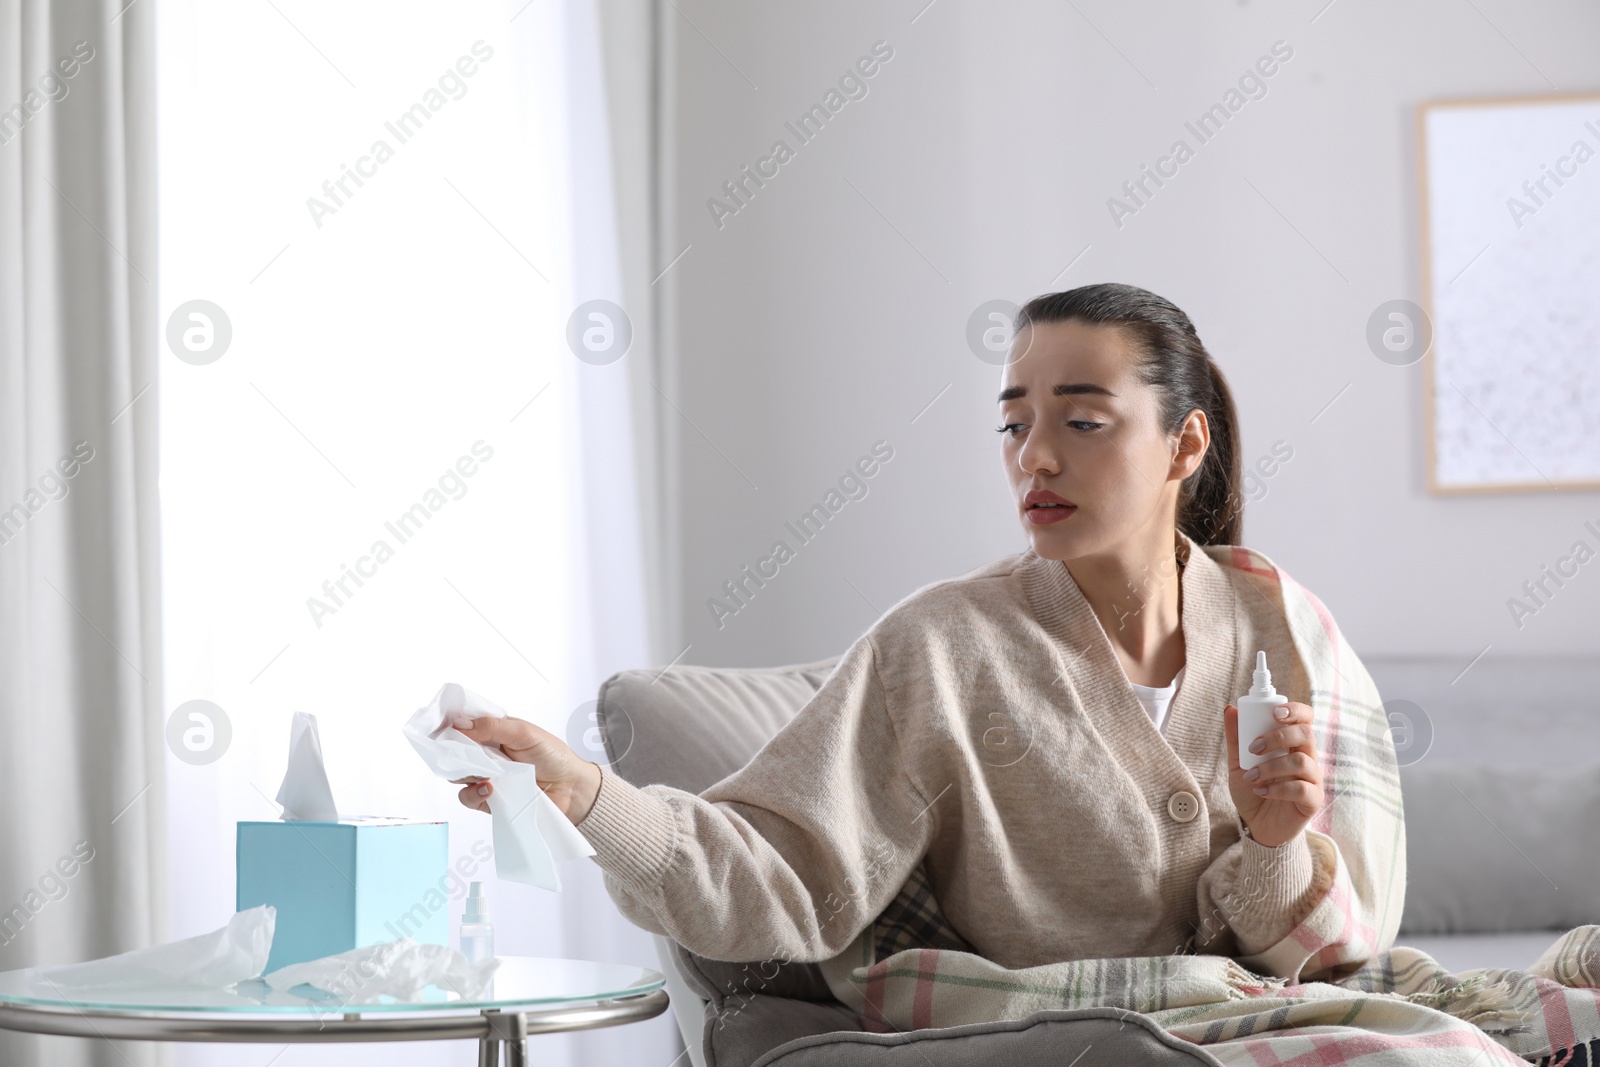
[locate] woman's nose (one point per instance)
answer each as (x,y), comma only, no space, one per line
(1037,456)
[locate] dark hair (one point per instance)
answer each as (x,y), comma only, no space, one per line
(1185,377)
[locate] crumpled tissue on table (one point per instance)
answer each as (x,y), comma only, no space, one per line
(400,969)
(531,835)
(305,793)
(238,953)
(235,953)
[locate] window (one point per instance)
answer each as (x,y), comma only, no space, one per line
(365,439)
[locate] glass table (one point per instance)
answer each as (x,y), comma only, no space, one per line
(529,996)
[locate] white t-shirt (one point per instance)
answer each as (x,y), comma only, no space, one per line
(1156,701)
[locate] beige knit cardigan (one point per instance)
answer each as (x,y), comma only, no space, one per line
(985,726)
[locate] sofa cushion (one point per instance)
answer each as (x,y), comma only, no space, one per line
(1082,1037)
(717,980)
(739,1032)
(1494,849)
(691,727)
(1466,952)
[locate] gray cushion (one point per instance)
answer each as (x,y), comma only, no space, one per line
(1081,1037)
(740,1030)
(691,727)
(1500,849)
(1507,710)
(716,979)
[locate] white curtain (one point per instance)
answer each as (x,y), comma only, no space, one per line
(81,848)
(602,71)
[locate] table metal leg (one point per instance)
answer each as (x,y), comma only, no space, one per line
(508,1031)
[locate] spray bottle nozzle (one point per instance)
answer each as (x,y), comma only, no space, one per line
(477,909)
(1261,683)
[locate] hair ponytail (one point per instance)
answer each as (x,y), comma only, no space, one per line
(1185,377)
(1210,507)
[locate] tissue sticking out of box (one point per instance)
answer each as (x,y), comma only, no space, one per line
(305,793)
(531,835)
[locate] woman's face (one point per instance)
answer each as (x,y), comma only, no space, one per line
(1079,430)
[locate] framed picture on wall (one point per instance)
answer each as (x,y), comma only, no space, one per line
(1510,209)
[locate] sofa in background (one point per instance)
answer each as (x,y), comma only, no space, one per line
(1500,777)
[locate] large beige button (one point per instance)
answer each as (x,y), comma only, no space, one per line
(1183,806)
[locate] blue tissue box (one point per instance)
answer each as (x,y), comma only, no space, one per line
(346,884)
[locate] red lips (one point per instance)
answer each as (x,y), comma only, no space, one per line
(1036,497)
(1042,507)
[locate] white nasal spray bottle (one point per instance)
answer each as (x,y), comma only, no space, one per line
(477,935)
(1255,715)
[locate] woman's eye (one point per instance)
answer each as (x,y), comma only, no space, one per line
(1081,425)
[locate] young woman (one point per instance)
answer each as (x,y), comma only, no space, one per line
(1050,737)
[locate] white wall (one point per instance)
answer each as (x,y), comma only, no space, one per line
(811,325)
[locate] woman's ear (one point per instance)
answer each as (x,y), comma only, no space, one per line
(1194,438)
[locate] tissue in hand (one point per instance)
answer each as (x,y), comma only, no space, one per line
(305,793)
(530,834)
(235,953)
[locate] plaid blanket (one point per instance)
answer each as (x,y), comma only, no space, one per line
(1351,995)
(1401,1007)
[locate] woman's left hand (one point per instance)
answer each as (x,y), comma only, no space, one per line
(1280,801)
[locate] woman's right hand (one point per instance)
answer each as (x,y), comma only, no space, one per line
(568,779)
